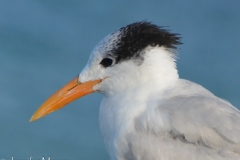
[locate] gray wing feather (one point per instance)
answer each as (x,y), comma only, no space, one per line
(204,119)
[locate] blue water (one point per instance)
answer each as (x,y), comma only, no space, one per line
(44,44)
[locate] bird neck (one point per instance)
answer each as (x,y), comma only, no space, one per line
(160,63)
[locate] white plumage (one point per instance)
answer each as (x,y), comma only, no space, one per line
(149,113)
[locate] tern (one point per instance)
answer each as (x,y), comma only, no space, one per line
(148,112)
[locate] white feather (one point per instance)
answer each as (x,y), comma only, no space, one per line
(149,113)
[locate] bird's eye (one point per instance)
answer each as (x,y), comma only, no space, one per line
(106,62)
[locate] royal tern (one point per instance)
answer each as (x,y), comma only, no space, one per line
(148,112)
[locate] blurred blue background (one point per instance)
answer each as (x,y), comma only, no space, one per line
(44,44)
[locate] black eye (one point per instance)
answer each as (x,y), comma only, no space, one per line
(106,62)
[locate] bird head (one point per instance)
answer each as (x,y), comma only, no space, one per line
(124,59)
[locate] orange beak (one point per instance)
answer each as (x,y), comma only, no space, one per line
(70,92)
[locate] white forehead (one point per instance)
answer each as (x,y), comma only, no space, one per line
(105,46)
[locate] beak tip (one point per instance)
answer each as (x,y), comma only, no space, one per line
(33,118)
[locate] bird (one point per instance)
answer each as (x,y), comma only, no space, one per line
(148,112)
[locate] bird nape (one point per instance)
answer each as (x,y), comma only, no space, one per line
(148,112)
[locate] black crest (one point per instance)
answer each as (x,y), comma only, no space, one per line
(137,36)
